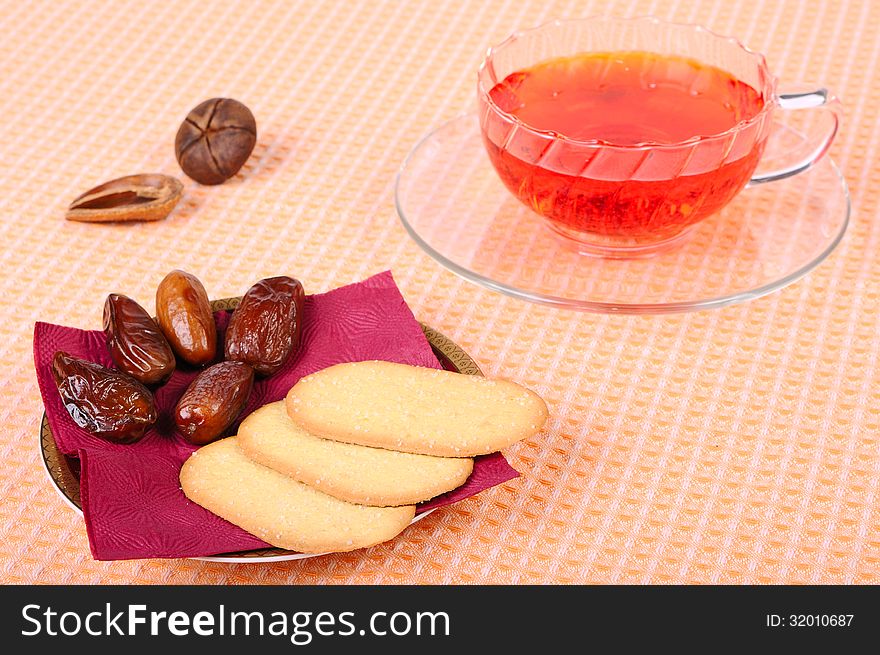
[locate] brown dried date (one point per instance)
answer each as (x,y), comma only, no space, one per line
(136,343)
(184,314)
(266,328)
(213,401)
(107,403)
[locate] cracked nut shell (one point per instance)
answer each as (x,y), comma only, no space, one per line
(143,197)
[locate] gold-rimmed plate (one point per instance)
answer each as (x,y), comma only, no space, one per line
(64,471)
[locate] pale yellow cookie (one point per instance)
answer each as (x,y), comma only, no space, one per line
(415,409)
(282,511)
(358,474)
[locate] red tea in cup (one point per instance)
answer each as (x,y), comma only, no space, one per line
(625,133)
(628,99)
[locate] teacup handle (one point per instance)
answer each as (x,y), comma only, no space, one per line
(816,141)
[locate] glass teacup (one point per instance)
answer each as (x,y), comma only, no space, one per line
(623,134)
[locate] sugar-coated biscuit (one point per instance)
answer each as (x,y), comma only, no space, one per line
(415,409)
(357,474)
(280,510)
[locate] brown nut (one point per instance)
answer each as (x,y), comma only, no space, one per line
(145,197)
(107,403)
(184,315)
(136,343)
(215,140)
(213,401)
(266,328)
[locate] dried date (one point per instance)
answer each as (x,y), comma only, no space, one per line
(213,401)
(185,317)
(266,328)
(136,343)
(107,403)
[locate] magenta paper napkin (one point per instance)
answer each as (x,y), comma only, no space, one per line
(132,502)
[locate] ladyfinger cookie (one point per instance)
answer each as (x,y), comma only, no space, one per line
(280,510)
(357,474)
(415,409)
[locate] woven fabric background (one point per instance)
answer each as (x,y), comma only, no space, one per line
(737,445)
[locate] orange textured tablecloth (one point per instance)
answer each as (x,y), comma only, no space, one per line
(737,445)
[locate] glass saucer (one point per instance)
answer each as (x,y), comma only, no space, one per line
(453,205)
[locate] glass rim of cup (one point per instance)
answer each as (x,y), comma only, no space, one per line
(768,92)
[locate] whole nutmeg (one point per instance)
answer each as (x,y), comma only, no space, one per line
(215,140)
